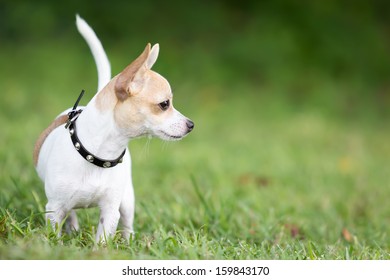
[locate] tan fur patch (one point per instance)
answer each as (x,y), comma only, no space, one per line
(106,98)
(38,145)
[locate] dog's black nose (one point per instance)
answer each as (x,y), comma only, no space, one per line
(190,125)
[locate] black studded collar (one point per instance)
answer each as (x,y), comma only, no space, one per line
(71,125)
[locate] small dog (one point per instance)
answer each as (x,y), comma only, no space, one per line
(89,165)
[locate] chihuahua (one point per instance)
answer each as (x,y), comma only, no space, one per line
(83,158)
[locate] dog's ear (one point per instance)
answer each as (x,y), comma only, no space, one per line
(130,80)
(152,56)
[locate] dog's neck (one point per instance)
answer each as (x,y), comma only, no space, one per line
(97,129)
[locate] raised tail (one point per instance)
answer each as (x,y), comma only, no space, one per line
(101,60)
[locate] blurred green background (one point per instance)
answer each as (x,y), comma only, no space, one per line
(332,56)
(286,44)
(290,101)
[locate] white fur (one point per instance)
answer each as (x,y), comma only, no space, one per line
(101,60)
(71,182)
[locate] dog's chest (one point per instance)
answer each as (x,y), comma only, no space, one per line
(95,188)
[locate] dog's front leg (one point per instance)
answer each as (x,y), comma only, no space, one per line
(55,216)
(108,223)
(127,211)
(71,223)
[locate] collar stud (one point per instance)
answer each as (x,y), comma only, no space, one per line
(89,158)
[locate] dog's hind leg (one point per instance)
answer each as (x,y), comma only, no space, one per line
(71,223)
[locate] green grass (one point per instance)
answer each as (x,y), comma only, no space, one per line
(267,173)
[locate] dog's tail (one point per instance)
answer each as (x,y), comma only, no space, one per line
(101,60)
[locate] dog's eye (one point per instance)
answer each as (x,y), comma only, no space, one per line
(164,105)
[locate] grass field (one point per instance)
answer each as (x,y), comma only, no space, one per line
(273,170)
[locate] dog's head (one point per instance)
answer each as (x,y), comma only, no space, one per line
(144,101)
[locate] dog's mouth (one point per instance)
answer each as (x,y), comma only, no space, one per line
(174,137)
(165,136)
